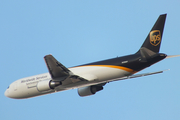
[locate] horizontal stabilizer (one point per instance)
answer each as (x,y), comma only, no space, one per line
(171,56)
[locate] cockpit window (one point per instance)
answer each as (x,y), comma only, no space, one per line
(8,87)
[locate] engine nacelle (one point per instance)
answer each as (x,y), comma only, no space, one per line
(46,85)
(90,90)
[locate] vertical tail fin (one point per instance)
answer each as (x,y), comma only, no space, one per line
(153,40)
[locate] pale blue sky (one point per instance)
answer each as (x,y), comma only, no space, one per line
(79,32)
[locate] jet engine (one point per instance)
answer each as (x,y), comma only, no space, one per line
(90,90)
(46,85)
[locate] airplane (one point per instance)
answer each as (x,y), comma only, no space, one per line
(91,78)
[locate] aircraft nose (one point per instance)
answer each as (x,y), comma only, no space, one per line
(13,94)
(6,93)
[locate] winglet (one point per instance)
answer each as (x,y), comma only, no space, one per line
(57,71)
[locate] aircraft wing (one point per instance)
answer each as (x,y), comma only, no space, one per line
(102,83)
(59,72)
(56,69)
(141,75)
(137,75)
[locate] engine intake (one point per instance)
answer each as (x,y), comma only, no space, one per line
(46,85)
(90,90)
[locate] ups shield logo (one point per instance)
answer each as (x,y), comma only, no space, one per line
(155,37)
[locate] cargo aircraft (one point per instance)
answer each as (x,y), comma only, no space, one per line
(91,78)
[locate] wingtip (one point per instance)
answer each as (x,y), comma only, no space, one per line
(164,14)
(166,70)
(48,55)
